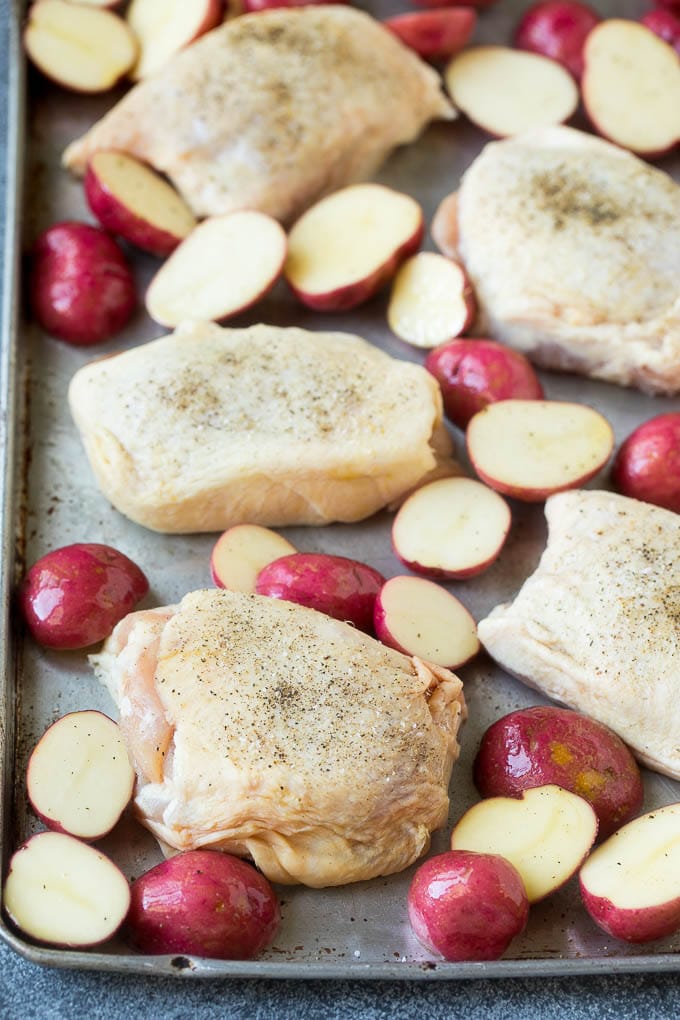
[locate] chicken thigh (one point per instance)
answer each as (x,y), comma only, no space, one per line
(572,246)
(596,625)
(211,427)
(272,110)
(266,729)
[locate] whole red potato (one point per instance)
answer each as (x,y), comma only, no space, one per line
(647,465)
(546,745)
(466,905)
(336,585)
(665,24)
(204,903)
(475,373)
(74,596)
(81,286)
(557,29)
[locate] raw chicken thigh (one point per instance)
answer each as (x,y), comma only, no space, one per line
(596,625)
(572,246)
(272,110)
(266,729)
(211,427)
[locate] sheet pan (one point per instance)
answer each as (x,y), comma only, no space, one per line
(49,499)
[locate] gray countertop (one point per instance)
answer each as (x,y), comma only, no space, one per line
(28,991)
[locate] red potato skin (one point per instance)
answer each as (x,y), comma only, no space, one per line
(335,585)
(203,903)
(467,906)
(435,34)
(475,373)
(74,596)
(670,5)
(350,296)
(451,575)
(546,745)
(665,24)
(557,29)
(647,465)
(632,925)
(113,216)
(81,287)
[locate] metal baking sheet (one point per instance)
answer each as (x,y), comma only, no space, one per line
(50,499)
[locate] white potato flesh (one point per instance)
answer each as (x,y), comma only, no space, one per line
(79,777)
(346,237)
(65,892)
(163,27)
(222,267)
(506,91)
(431,300)
(426,620)
(639,866)
(546,835)
(456,526)
(242,552)
(143,192)
(538,446)
(83,48)
(631,86)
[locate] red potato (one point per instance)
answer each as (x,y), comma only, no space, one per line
(453,528)
(347,246)
(530,449)
(631,87)
(630,885)
(74,596)
(340,587)
(163,27)
(203,903)
(544,744)
(665,24)
(223,267)
(546,834)
(475,373)
(419,617)
(83,48)
(65,893)
(506,91)
(241,552)
(647,465)
(444,227)
(557,29)
(79,778)
(251,6)
(81,287)
(431,301)
(670,5)
(131,199)
(467,906)
(435,34)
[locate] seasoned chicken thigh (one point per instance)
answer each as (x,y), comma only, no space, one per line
(211,427)
(266,729)
(272,110)
(596,625)
(572,246)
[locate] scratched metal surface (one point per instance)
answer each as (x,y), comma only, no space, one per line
(50,499)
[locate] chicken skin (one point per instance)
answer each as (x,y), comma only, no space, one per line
(572,246)
(211,427)
(596,625)
(269,730)
(272,110)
